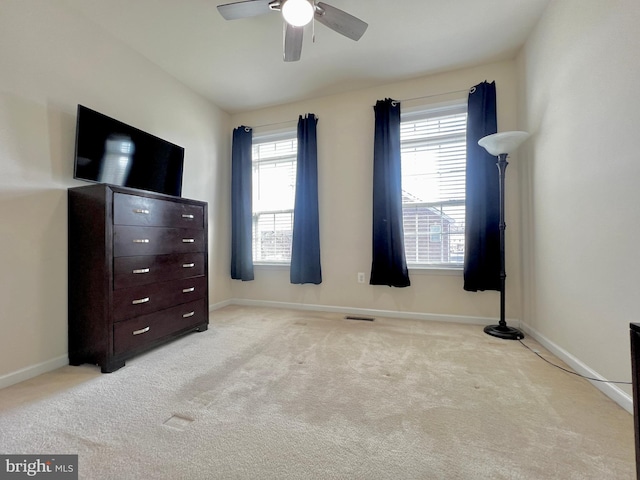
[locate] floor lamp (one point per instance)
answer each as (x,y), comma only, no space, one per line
(501,145)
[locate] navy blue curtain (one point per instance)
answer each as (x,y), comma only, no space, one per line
(241,208)
(482,228)
(305,248)
(389,266)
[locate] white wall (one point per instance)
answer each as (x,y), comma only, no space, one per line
(579,75)
(345,163)
(52,60)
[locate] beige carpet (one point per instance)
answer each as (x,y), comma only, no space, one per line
(279,394)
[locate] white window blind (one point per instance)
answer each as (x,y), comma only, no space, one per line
(274,180)
(433,149)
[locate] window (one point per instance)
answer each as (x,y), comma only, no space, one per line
(274,180)
(433,149)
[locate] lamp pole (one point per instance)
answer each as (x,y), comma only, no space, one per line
(500,145)
(502,170)
(502,330)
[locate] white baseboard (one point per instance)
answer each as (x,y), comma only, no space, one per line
(219,305)
(33,371)
(470,320)
(611,390)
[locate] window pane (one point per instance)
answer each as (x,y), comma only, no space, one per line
(273,233)
(274,176)
(433,186)
(274,185)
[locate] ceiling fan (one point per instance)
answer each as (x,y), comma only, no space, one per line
(297,14)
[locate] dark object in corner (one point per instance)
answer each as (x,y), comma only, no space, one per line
(635,376)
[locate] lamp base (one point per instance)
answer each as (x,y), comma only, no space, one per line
(503,331)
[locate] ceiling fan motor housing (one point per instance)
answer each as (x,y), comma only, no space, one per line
(331,17)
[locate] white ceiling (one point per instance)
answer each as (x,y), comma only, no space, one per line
(238,64)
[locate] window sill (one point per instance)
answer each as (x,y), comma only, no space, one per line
(413,270)
(454,271)
(271,265)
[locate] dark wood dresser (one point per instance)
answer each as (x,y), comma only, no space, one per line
(138,272)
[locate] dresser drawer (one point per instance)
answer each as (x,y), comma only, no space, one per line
(143,270)
(136,210)
(138,332)
(136,301)
(129,241)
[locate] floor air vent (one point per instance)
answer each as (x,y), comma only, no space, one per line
(364,319)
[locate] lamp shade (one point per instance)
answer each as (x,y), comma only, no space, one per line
(504,142)
(297,12)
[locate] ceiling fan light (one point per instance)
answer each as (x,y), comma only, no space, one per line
(297,12)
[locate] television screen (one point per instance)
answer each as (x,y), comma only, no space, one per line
(109,151)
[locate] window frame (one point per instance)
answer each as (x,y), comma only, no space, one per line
(423,112)
(286,134)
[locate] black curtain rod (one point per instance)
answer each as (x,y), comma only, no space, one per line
(276,123)
(402,100)
(432,95)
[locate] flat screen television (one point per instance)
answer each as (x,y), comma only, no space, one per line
(112,152)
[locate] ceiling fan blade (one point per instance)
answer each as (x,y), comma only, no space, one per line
(244,9)
(292,42)
(339,21)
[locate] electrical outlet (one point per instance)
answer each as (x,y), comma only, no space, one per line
(360,277)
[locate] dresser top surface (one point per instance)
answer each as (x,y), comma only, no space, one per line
(131,191)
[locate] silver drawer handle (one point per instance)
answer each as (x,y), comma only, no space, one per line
(188,290)
(188,265)
(187,215)
(141,210)
(187,315)
(140,300)
(142,330)
(141,270)
(188,240)
(140,240)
